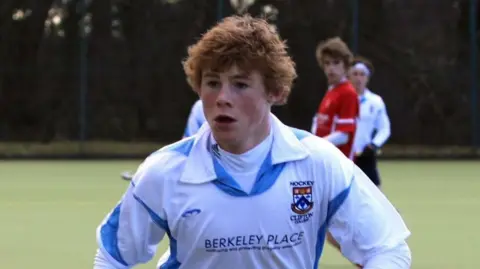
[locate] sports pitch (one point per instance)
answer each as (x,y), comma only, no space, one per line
(50,209)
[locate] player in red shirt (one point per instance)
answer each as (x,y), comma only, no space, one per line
(337,113)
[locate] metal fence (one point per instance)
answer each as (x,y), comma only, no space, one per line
(82,76)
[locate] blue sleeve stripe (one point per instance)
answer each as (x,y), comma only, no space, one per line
(199,123)
(338,201)
(333,207)
(320,243)
(156,218)
(108,235)
(172,262)
(186,133)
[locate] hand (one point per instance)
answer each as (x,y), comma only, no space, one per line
(370,150)
(127,175)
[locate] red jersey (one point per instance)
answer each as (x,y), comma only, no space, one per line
(339,111)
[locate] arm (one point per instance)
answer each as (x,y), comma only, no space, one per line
(313,129)
(382,125)
(346,121)
(129,235)
(195,119)
(367,227)
(337,138)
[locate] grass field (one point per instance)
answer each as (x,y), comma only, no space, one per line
(49,211)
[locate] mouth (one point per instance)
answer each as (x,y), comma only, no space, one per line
(224,119)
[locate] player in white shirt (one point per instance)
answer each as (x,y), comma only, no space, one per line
(195,120)
(248,191)
(373,125)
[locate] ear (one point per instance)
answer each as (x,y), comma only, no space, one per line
(275,98)
(197,91)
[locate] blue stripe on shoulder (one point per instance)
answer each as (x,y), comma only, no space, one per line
(183,147)
(300,134)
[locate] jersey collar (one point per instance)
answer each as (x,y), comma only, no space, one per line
(332,86)
(199,167)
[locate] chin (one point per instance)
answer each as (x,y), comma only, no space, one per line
(223,135)
(334,80)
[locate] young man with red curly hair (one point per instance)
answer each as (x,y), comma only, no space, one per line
(247,191)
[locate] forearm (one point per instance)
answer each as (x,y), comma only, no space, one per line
(381,136)
(337,138)
(382,125)
(313,128)
(395,258)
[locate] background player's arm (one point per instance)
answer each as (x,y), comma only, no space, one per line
(195,120)
(313,129)
(382,125)
(367,227)
(345,123)
(129,235)
(337,138)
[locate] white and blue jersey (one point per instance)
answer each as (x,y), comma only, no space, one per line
(373,125)
(304,186)
(195,120)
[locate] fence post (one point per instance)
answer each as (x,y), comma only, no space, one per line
(473,74)
(219,10)
(83,78)
(355,15)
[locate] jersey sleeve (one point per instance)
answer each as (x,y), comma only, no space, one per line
(195,119)
(130,233)
(382,125)
(313,128)
(367,227)
(347,112)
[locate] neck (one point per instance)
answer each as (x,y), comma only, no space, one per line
(249,161)
(251,140)
(336,81)
(361,91)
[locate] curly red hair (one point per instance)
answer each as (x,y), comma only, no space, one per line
(251,44)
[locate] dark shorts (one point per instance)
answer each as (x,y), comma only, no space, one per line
(368,164)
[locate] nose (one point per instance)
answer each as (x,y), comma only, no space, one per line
(224,97)
(328,67)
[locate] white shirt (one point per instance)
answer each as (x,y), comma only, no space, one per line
(244,167)
(373,117)
(195,120)
(304,187)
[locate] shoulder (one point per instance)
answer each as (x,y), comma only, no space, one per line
(376,99)
(322,153)
(347,90)
(198,105)
(163,165)
(328,165)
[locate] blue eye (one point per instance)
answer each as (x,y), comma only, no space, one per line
(213,83)
(240,85)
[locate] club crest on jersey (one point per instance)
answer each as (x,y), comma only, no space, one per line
(302,200)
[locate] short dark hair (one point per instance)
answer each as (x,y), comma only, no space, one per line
(365,61)
(336,48)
